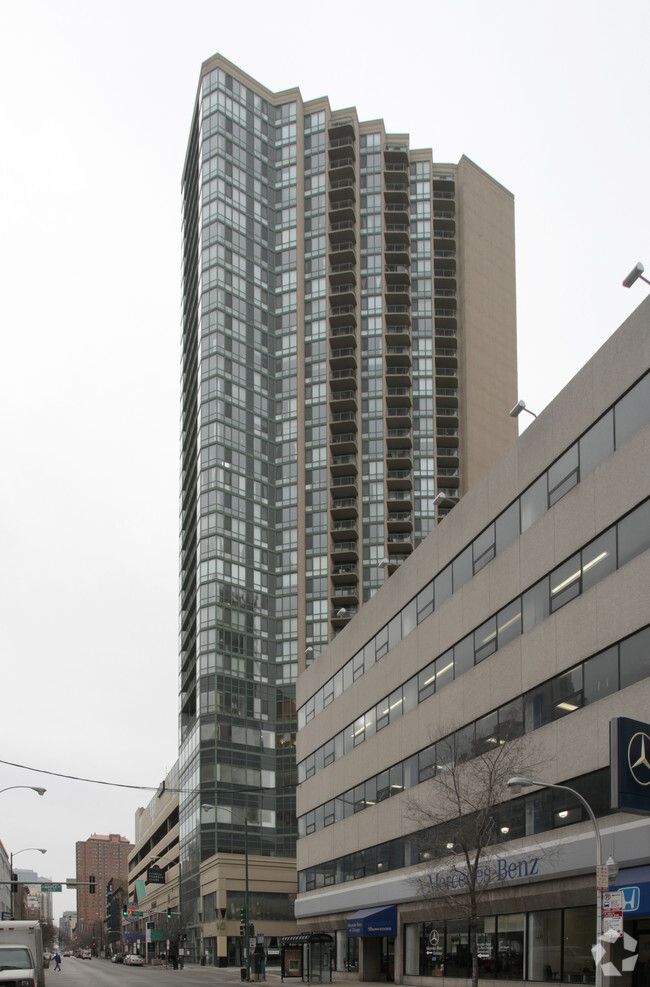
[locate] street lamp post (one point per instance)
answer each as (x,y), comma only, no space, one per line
(180,907)
(518,783)
(11,867)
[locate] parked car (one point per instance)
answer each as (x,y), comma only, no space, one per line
(117,958)
(47,956)
(133,959)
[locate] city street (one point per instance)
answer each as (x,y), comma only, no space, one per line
(84,973)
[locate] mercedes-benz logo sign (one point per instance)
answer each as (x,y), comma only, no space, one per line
(638,751)
(433,937)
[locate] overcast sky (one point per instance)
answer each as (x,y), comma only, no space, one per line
(550,98)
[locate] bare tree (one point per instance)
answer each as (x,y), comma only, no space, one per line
(461,820)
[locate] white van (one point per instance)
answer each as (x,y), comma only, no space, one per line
(21,954)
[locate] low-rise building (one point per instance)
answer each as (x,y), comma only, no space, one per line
(520,624)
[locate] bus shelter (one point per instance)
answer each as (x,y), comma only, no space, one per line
(307,956)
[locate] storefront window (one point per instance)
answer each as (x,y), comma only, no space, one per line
(486,942)
(545,945)
(510,947)
(579,934)
(457,958)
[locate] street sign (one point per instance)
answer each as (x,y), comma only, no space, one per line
(602,877)
(613,925)
(613,901)
(155,875)
(50,887)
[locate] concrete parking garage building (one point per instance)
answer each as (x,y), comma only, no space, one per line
(526,609)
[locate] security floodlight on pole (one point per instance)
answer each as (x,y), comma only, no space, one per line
(636,274)
(519,407)
(516,784)
(32,788)
(11,870)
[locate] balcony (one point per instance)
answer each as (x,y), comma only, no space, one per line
(343,294)
(397,334)
(450,394)
(399,355)
(399,458)
(343,465)
(342,231)
(341,167)
(402,541)
(342,421)
(446,358)
(399,479)
(448,475)
(342,315)
(397,192)
(341,209)
(397,169)
(398,294)
(400,500)
(343,572)
(341,188)
(398,416)
(343,529)
(344,401)
(344,551)
(397,274)
(396,212)
(397,251)
(344,273)
(342,357)
(344,335)
(397,375)
(344,486)
(400,521)
(342,508)
(343,379)
(341,127)
(397,315)
(344,443)
(345,594)
(343,251)
(341,615)
(399,438)
(341,146)
(397,235)
(447,415)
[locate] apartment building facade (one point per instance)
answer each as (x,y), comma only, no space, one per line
(348,352)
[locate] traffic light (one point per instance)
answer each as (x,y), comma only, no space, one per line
(169,913)
(242,917)
(124,911)
(242,930)
(91,884)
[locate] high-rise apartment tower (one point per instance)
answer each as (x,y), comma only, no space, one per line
(348,352)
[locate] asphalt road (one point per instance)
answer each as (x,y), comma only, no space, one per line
(103,973)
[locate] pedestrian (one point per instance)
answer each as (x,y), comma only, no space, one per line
(57,961)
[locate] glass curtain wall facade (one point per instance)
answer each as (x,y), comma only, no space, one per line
(310,329)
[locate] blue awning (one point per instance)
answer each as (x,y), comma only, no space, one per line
(380,921)
(634,882)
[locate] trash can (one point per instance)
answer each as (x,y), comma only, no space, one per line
(242,972)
